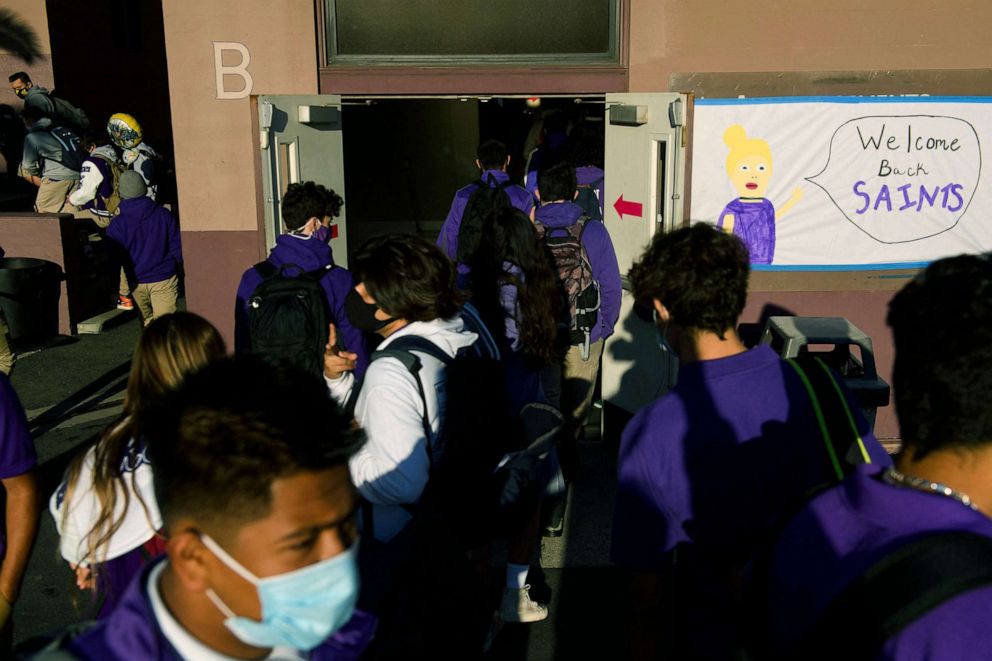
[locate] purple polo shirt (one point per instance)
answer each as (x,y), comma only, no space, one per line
(847,529)
(709,466)
(17,454)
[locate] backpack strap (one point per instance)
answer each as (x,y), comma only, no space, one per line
(402,350)
(266,269)
(896,591)
(833,415)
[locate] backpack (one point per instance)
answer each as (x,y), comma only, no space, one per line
(112,201)
(68,114)
(288,316)
(486,470)
(901,587)
(580,291)
(486,198)
(589,200)
(72,152)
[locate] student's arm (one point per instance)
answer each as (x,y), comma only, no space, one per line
(447,240)
(22,526)
(392,467)
(606,271)
(349,338)
(30,168)
(90,179)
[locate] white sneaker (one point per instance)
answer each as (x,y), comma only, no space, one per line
(517,606)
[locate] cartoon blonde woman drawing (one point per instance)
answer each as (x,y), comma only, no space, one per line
(751,217)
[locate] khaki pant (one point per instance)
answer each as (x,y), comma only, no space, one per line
(6,355)
(52,196)
(578,383)
(155,299)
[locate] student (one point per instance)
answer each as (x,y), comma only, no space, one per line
(39,99)
(100,171)
(259,512)
(585,152)
(146,238)
(550,151)
(941,482)
(591,292)
(307,210)
(105,511)
(703,470)
(22,501)
(50,162)
(405,286)
(492,159)
(516,294)
(136,154)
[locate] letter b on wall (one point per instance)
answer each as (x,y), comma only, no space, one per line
(238,52)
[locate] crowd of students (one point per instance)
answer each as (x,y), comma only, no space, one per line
(333,490)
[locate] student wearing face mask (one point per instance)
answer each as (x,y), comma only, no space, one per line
(261,559)
(307,210)
(705,469)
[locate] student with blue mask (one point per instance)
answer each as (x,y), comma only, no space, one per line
(259,510)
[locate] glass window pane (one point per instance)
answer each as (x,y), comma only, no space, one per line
(432,28)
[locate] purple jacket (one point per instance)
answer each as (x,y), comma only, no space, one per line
(147,235)
(17,453)
(131,632)
(309,255)
(602,259)
(843,532)
(447,240)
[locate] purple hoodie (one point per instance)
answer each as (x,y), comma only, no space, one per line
(148,236)
(447,240)
(309,254)
(132,632)
(602,259)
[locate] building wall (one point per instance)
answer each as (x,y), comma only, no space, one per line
(214,139)
(34,14)
(674,36)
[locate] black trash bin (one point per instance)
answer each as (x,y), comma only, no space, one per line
(29,296)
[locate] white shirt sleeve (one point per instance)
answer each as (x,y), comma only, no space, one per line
(392,467)
(341,387)
(90,179)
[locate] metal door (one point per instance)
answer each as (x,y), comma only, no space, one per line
(644,189)
(300,140)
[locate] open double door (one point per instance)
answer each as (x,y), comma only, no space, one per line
(300,139)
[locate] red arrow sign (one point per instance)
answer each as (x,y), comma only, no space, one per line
(629,208)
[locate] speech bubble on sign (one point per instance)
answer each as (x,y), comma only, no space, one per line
(901,178)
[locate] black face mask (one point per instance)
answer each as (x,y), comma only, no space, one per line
(362,314)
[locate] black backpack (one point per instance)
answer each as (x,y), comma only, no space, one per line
(288,316)
(72,151)
(486,198)
(579,289)
(68,114)
(588,200)
(486,470)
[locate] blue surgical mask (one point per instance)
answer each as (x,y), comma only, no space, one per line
(301,608)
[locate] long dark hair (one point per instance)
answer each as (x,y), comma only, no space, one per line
(509,238)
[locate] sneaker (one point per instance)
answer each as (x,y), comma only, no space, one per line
(125,302)
(517,606)
(554,516)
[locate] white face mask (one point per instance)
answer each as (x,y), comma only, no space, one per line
(300,608)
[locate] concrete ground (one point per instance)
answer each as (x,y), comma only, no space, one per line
(74,387)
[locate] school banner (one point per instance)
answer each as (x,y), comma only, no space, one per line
(845,182)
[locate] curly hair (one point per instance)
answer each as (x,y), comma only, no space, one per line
(699,273)
(307,200)
(409,277)
(942,378)
(512,255)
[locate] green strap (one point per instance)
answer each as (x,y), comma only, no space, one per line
(833,415)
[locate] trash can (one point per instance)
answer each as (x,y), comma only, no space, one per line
(792,336)
(29,296)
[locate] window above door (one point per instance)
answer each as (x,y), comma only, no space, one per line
(470,32)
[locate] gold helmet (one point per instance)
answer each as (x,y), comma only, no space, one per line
(124,130)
